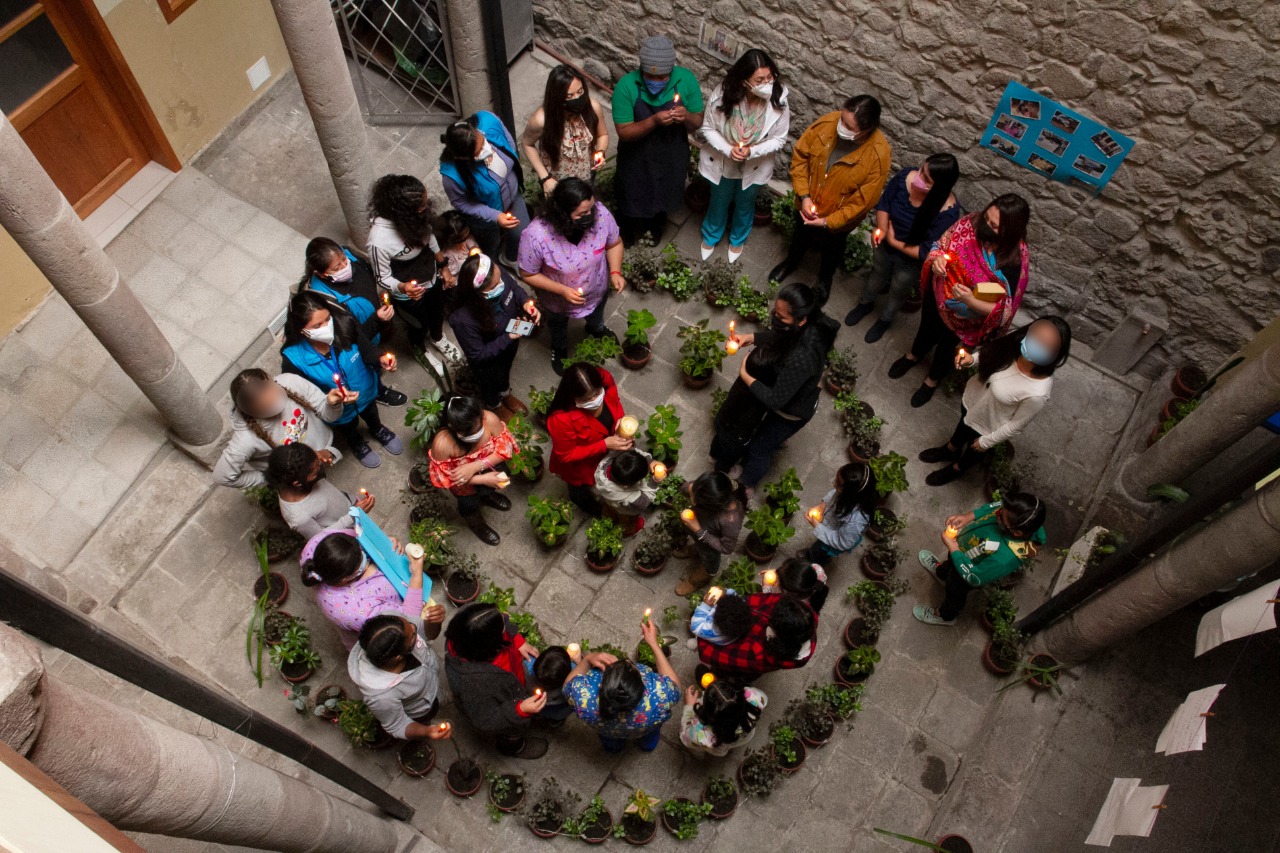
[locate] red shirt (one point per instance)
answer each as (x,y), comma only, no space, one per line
(749,656)
(577,437)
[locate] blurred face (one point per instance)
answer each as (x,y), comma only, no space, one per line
(479,143)
(1046,334)
(575,90)
(336,266)
(656,78)
(423,206)
(591,401)
(851,124)
(925,176)
(583,209)
(268,402)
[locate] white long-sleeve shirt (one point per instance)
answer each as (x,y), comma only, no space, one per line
(386,245)
(999,408)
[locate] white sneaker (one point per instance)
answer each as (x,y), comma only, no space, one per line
(734,254)
(707,252)
(448,349)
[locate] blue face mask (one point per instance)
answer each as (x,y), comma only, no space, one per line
(655,86)
(1035,352)
(497,291)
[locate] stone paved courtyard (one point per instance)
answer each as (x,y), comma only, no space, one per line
(935,749)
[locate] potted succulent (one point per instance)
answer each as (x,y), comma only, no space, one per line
(527,461)
(884,524)
(641,264)
(997,607)
(604,544)
(881,558)
(635,343)
(639,821)
(506,791)
(1041,671)
(681,817)
(856,665)
(811,720)
(281,542)
(701,354)
(653,547)
(769,529)
(782,213)
(423,417)
(676,278)
(840,700)
(539,405)
(890,473)
(293,655)
(784,494)
(360,725)
(945,844)
(464,777)
(593,826)
(1001,654)
(842,369)
(788,749)
(416,757)
(758,772)
(719,282)
(662,433)
(329,701)
(550,808)
(550,519)
(1187,381)
(465,580)
(721,795)
(751,304)
(594,351)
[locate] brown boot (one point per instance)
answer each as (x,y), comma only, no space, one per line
(692,582)
(502,412)
(515,405)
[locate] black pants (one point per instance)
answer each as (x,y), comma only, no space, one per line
(757,454)
(962,439)
(934,335)
(493,375)
(424,317)
(350,431)
(558,324)
(830,245)
(632,228)
(709,557)
(956,590)
(585,498)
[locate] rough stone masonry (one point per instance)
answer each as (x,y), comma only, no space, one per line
(1187,228)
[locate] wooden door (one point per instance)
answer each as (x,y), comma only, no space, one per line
(66,102)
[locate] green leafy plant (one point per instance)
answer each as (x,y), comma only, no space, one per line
(758,773)
(654,545)
(1006,643)
(862,429)
(753,304)
(670,615)
(741,576)
(671,493)
(527,461)
(540,401)
(423,417)
(663,434)
(577,827)
(644,654)
(887,553)
(769,525)
(357,722)
(550,518)
(604,540)
(782,212)
(890,473)
(842,367)
(685,816)
(857,247)
(842,700)
(1181,409)
(1047,675)
(998,605)
(702,352)
(436,539)
(640,806)
(328,706)
(911,838)
(255,641)
(875,601)
(718,281)
(503,598)
(676,277)
(889,524)
(1006,473)
(264,497)
(720,787)
(862,659)
(594,351)
(641,265)
(811,720)
(784,737)
(299,696)
(638,325)
(527,626)
(501,788)
(784,494)
(295,647)
(718,396)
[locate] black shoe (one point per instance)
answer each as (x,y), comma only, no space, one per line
(481,529)
(389,396)
(497,500)
(877,330)
(780,272)
(532,747)
(557,360)
(937,454)
(923,395)
(859,311)
(901,367)
(943,476)
(822,290)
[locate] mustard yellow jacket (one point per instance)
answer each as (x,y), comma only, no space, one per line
(845,194)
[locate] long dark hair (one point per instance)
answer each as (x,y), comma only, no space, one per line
(452,228)
(714,491)
(1025,511)
(335,558)
(1015,213)
(396,198)
(477,632)
(725,709)
(460,416)
(1004,350)
(803,302)
(578,381)
(382,639)
(944,171)
(621,689)
(735,88)
(859,491)
(564,200)
(555,113)
(797,577)
(792,624)
(467,295)
(321,252)
(307,302)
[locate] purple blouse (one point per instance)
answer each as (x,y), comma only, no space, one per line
(581,265)
(349,607)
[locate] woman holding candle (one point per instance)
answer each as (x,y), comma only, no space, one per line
(485,665)
(567,136)
(488,302)
(986,249)
(309,503)
(720,717)
(335,271)
(583,421)
(717,507)
(744,125)
(328,349)
(843,514)
(983,546)
(572,254)
(776,392)
(783,636)
(1013,382)
(398,675)
(915,210)
(482,178)
(467,457)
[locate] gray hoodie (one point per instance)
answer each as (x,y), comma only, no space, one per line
(245,456)
(627,500)
(397,697)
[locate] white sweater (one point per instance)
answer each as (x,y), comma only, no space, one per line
(245,456)
(1000,408)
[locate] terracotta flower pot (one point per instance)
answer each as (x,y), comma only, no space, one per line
(721,809)
(1187,381)
(607,565)
(464,777)
(874,533)
(600,831)
(855,634)
(274,624)
(667,823)
(911,305)
(1041,660)
(651,570)
(861,454)
(993,666)
(801,752)
(759,551)
(638,832)
(635,356)
(512,800)
(296,673)
(955,844)
(847,678)
(816,743)
(279,588)
(416,758)
(695,383)
(461,590)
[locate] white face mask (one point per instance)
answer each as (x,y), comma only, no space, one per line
(343,274)
(595,401)
(474,437)
(844,132)
(486,151)
(764,90)
(322,335)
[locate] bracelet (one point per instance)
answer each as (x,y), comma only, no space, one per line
(615,272)
(543,181)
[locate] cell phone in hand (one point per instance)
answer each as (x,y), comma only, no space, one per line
(520,327)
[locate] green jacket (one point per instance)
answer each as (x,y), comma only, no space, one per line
(980,567)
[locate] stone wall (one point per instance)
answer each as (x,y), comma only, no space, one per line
(1188,226)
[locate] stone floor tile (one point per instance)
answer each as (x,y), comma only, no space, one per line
(927,765)
(953,719)
(901,688)
(22,432)
(194,246)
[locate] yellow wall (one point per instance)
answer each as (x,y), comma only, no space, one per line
(193,70)
(22,286)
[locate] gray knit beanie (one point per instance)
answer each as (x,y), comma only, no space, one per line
(657,56)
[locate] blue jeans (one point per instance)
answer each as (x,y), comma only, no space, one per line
(893,271)
(730,193)
(757,456)
(647,742)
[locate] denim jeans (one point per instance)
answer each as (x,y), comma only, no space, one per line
(647,742)
(893,271)
(724,195)
(558,324)
(757,456)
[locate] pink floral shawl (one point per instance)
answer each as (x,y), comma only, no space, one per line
(969,266)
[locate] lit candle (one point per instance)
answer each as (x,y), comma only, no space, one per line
(659,472)
(581,292)
(337,380)
(386,299)
(687,514)
(503,480)
(677,99)
(961,353)
(444,728)
(732,323)
(627,426)
(575,652)
(951,532)
(878,233)
(475,250)
(647,611)
(714,594)
(529,306)
(389,361)
(731,346)
(708,679)
(364,493)
(770,578)
(598,158)
(537,693)
(413,282)
(815,514)
(414,551)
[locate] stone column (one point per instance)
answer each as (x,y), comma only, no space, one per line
(41,221)
(1244,540)
(145,776)
(1232,411)
(315,49)
(470,54)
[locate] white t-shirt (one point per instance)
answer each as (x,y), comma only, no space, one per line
(1000,408)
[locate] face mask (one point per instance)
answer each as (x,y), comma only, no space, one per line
(1036,352)
(764,91)
(655,86)
(584,223)
(497,291)
(486,151)
(343,274)
(322,335)
(475,436)
(594,403)
(777,325)
(918,183)
(986,233)
(578,105)
(844,132)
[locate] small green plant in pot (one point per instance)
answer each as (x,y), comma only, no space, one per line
(842,700)
(465,579)
(662,433)
(635,343)
(842,369)
(758,773)
(1002,653)
(788,749)
(671,493)
(997,607)
(604,544)
(528,461)
(676,278)
(701,354)
(885,524)
(769,529)
(540,401)
(752,304)
(548,810)
(653,547)
(644,654)
(881,558)
(506,793)
(550,518)
(719,281)
(641,265)
(436,539)
(594,351)
(264,498)
(784,494)
(890,473)
(593,825)
(423,417)
(875,600)
(293,655)
(857,248)
(856,665)
(945,844)
(811,720)
(741,575)
(783,214)
(360,725)
(639,819)
(681,817)
(721,794)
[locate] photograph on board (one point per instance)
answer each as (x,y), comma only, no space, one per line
(1053,143)
(1064,122)
(1025,108)
(1040,164)
(1003,145)
(1010,125)
(1106,143)
(1091,168)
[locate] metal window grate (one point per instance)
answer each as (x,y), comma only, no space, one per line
(400,59)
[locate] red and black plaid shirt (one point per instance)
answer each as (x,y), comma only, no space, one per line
(750,656)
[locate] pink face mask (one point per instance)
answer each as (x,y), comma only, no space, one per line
(918,183)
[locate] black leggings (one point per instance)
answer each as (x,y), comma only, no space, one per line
(962,439)
(830,246)
(424,317)
(493,375)
(350,431)
(585,498)
(934,335)
(957,590)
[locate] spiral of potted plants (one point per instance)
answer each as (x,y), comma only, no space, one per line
(945,844)
(881,558)
(787,747)
(527,462)
(840,700)
(758,772)
(889,471)
(662,436)
(884,524)
(676,277)
(639,821)
(635,343)
(842,369)
(997,606)
(594,825)
(548,810)
(769,529)
(416,757)
(701,354)
(1001,654)
(653,548)
(719,282)
(506,793)
(360,725)
(423,417)
(465,580)
(550,519)
(293,655)
(604,544)
(784,494)
(681,816)
(721,794)
(811,721)
(856,665)
(641,264)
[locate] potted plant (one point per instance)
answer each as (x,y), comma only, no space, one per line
(1179,409)
(1004,474)
(641,265)
(427,502)
(782,213)
(527,461)
(464,777)
(593,826)
(1001,654)
(274,624)
(945,844)
(1187,381)
(884,524)
(741,575)
(329,701)
(604,544)
(676,278)
(550,518)
(769,529)
(416,757)
(639,820)
(751,304)
(890,473)
(788,750)
(423,417)
(875,599)
(719,282)
(644,654)
(464,582)
(881,558)
(506,791)
(721,795)
(681,817)
(997,606)
(653,547)
(701,354)
(671,493)
(280,541)
(360,725)
(856,665)
(539,405)
(764,207)
(857,248)
(860,425)
(271,587)
(635,347)
(436,539)
(784,494)
(662,433)
(550,808)
(594,351)
(1041,671)
(758,772)
(264,498)
(811,721)
(842,369)
(299,696)
(293,655)
(840,700)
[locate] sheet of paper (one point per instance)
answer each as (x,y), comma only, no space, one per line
(1128,810)
(1240,617)
(1186,730)
(379,548)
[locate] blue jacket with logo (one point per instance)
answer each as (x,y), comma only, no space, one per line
(357,367)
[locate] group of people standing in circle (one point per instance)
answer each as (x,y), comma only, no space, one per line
(492,271)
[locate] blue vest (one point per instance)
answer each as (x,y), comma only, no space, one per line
(356,375)
(488,191)
(359,307)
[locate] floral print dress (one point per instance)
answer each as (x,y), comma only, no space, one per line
(660,695)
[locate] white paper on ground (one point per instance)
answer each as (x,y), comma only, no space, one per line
(1129,810)
(1186,729)
(1240,617)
